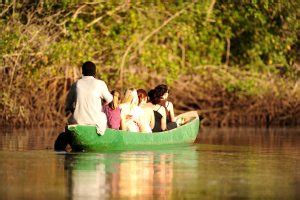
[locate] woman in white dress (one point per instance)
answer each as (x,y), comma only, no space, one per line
(131,113)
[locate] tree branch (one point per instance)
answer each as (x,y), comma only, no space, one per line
(164,24)
(210,9)
(6,9)
(107,13)
(227,51)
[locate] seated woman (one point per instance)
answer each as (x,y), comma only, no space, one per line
(160,117)
(148,118)
(164,92)
(113,112)
(130,112)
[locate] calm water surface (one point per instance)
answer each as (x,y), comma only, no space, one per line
(223,163)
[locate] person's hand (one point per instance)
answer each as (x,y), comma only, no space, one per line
(138,122)
(129,117)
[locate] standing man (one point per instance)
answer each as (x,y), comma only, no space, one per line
(84,99)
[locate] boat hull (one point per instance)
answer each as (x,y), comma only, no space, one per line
(86,138)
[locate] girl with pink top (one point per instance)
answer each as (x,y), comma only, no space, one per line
(113,111)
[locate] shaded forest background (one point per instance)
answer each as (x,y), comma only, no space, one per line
(235,62)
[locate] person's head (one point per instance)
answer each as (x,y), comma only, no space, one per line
(131,97)
(88,69)
(151,95)
(163,90)
(142,94)
(116,98)
(156,95)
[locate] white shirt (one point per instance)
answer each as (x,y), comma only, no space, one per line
(137,114)
(87,94)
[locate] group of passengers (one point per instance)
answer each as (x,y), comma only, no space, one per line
(138,111)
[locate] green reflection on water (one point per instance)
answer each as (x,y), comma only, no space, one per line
(189,172)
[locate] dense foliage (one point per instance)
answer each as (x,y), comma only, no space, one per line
(235,51)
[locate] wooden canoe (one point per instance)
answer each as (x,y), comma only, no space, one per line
(86,138)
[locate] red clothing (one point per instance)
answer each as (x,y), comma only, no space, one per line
(113,117)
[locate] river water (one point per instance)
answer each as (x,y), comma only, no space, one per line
(245,163)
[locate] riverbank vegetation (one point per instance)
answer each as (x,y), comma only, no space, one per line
(235,63)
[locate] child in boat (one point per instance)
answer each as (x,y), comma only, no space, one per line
(148,118)
(163,91)
(113,112)
(131,113)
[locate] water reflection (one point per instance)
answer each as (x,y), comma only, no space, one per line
(88,180)
(138,175)
(224,164)
(27,139)
(258,138)
(32,175)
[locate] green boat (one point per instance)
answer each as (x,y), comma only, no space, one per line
(86,138)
